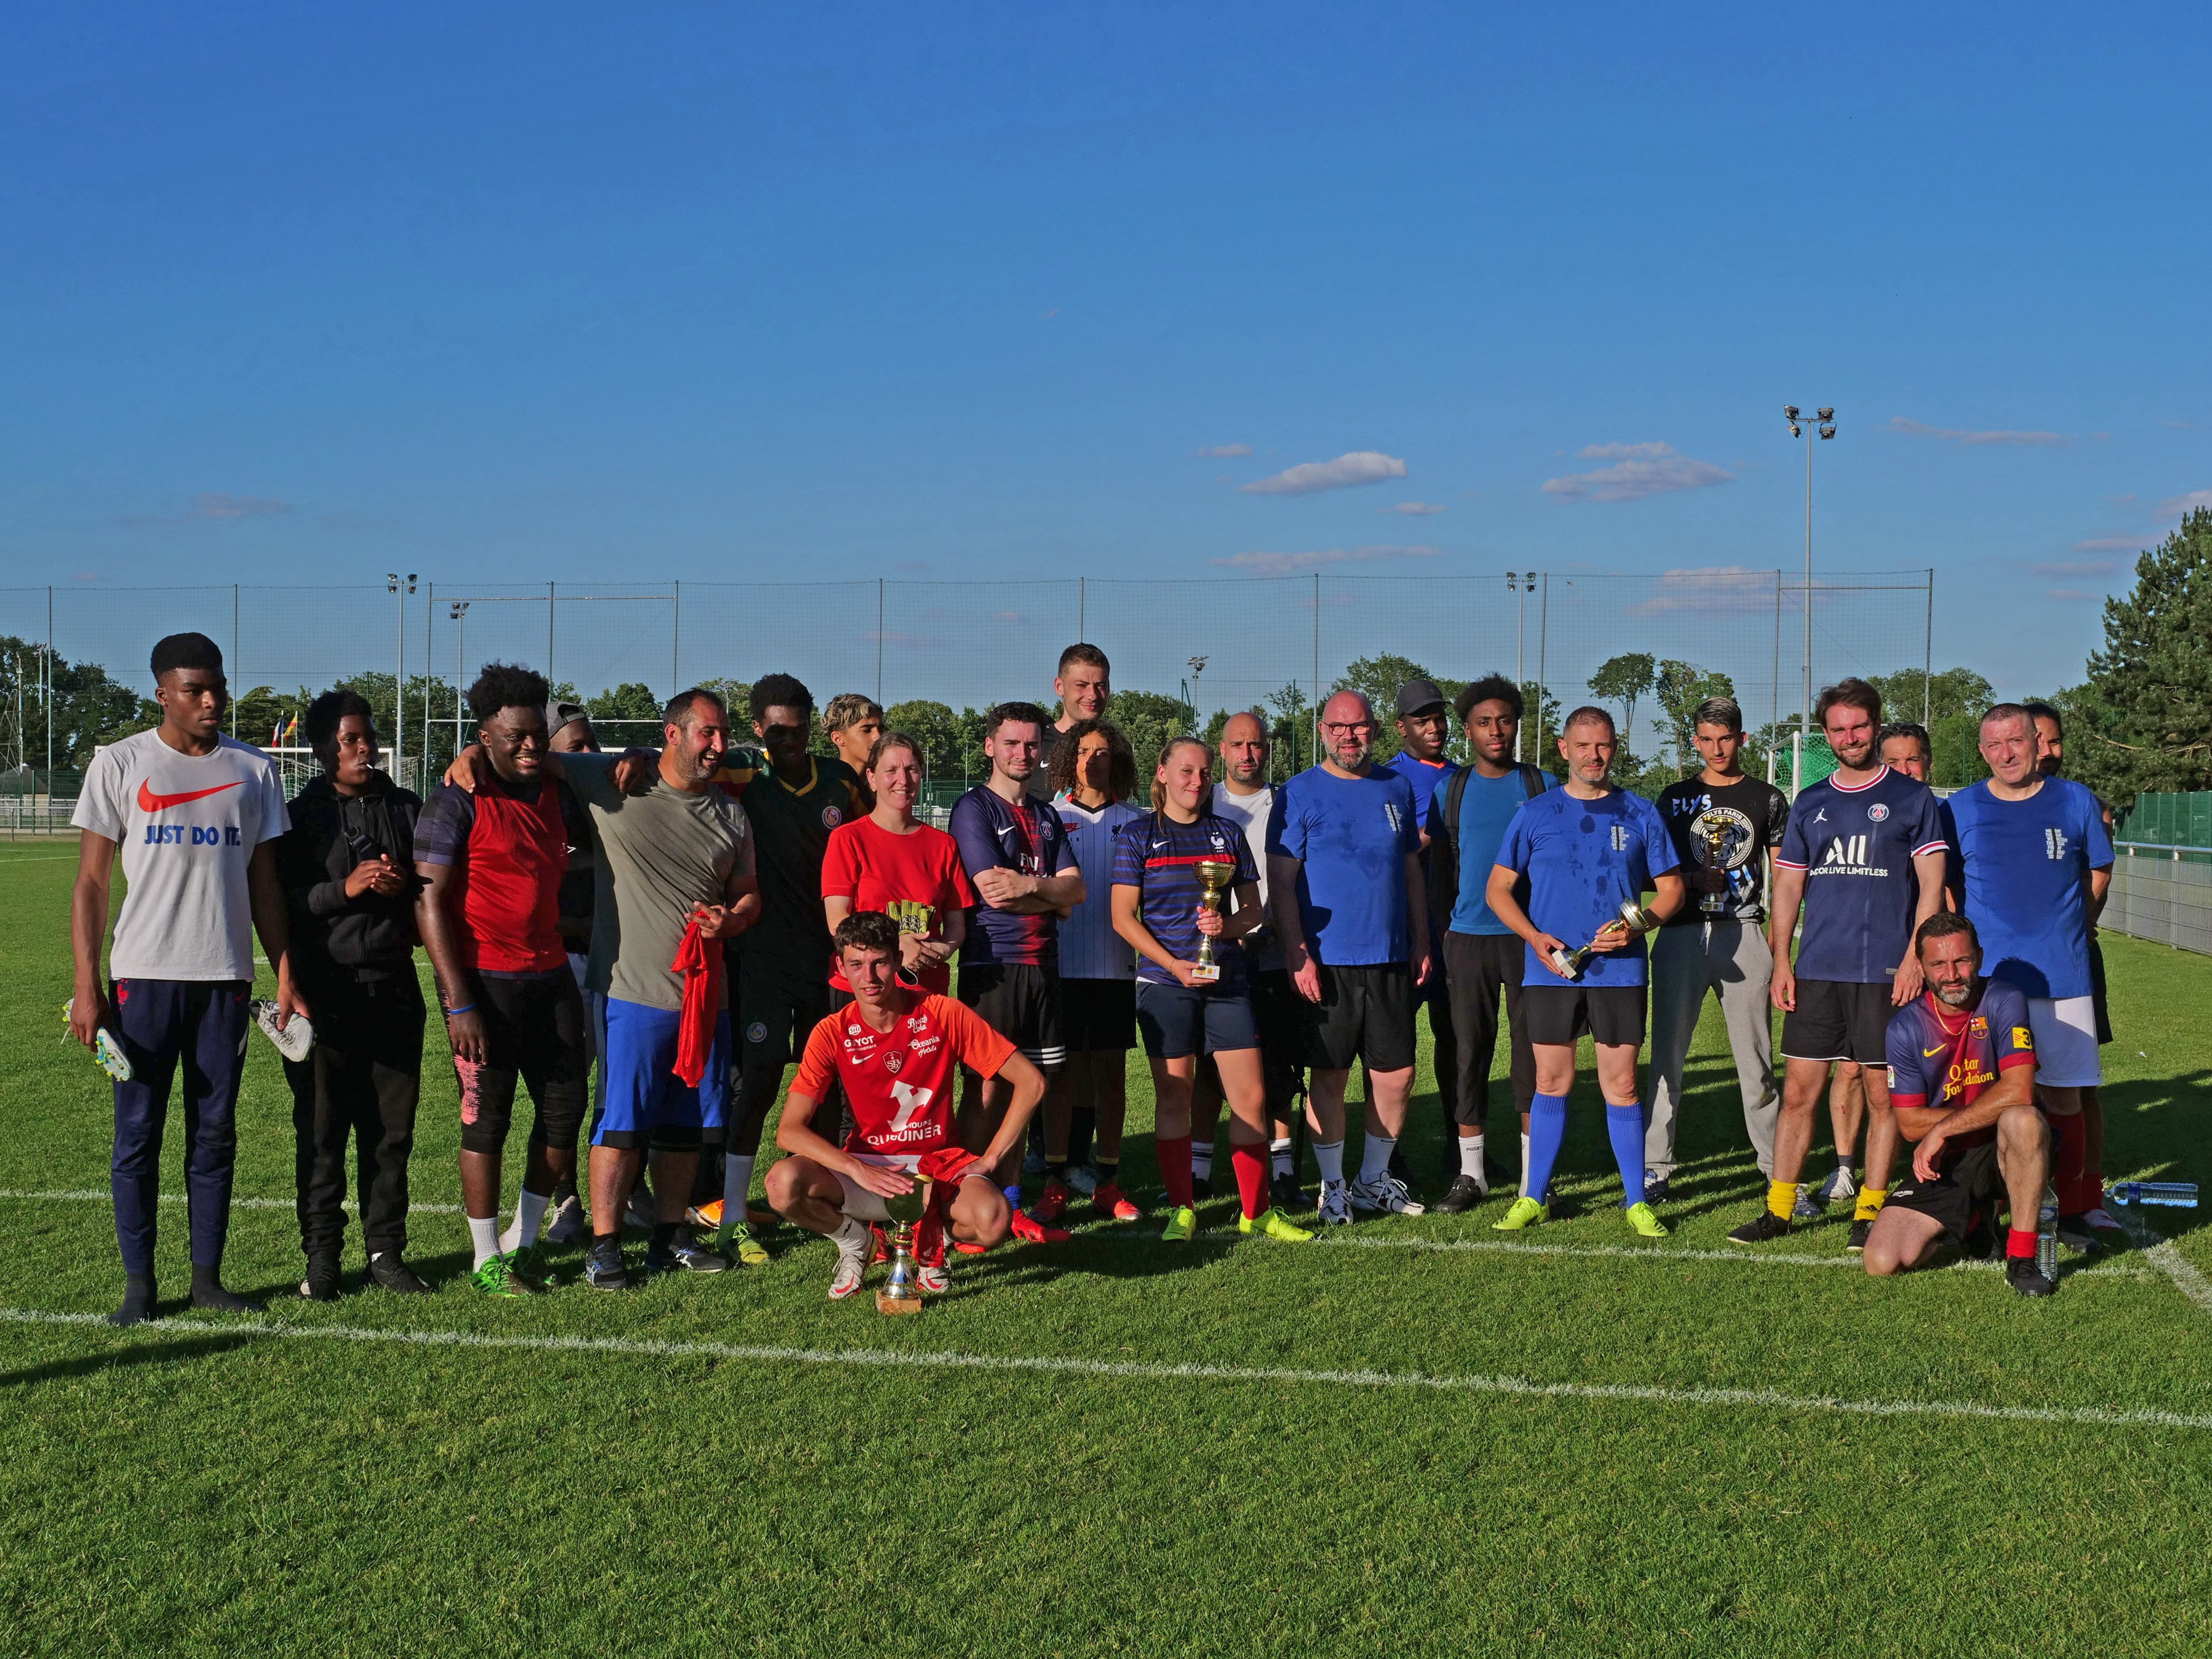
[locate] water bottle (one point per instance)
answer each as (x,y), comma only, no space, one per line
(2046,1237)
(2180,1194)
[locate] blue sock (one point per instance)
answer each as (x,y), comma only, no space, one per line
(1624,1126)
(1547,1133)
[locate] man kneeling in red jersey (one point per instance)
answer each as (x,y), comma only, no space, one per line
(1962,1081)
(895,1050)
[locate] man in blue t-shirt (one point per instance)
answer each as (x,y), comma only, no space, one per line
(2034,861)
(1423,729)
(1586,848)
(1344,858)
(1481,956)
(1863,858)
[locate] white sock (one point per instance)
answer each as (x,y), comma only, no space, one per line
(484,1236)
(1281,1150)
(529,1215)
(851,1237)
(1328,1157)
(736,1182)
(1375,1158)
(1201,1161)
(1524,1162)
(1470,1157)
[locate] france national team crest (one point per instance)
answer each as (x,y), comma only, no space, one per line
(1878,811)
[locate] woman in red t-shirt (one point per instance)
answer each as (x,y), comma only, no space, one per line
(889,861)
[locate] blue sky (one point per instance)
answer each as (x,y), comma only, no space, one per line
(507,293)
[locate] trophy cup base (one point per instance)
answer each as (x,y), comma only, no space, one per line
(887,1303)
(1205,973)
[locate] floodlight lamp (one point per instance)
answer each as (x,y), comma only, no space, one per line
(1826,414)
(1797,431)
(1827,432)
(1789,412)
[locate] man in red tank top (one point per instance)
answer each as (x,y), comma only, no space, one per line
(896,1052)
(490,913)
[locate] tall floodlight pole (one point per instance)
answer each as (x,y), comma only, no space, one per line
(400,586)
(1826,418)
(459,614)
(1520,584)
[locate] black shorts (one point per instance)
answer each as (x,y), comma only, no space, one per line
(1837,1019)
(1020,1001)
(1973,1186)
(1610,1015)
(1278,1019)
(534,1032)
(2097,996)
(1178,1021)
(1098,1016)
(779,1002)
(1365,1013)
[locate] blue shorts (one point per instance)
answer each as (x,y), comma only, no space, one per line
(1175,1020)
(640,1098)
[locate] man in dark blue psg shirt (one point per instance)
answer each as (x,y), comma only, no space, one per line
(1863,858)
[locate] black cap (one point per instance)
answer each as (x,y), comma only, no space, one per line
(558,714)
(1415,696)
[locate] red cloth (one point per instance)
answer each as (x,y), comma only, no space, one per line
(2071,1132)
(1251,1163)
(948,1166)
(700,961)
(1174,1157)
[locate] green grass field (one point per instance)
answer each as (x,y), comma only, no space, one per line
(1412,1438)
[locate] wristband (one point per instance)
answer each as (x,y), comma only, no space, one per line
(465,1008)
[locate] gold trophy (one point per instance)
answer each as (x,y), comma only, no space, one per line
(1214,875)
(904,1294)
(1633,919)
(1713,853)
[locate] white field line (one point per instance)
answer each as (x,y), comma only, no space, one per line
(1329,1240)
(2186,1279)
(1754,1399)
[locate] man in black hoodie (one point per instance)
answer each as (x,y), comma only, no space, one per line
(347,868)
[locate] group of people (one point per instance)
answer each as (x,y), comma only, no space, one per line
(647,942)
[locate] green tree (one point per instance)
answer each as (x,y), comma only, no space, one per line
(89,708)
(1379,678)
(1290,733)
(1539,724)
(935,727)
(1624,679)
(1680,686)
(1149,718)
(1945,694)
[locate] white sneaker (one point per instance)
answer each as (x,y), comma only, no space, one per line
(1335,1208)
(1082,1178)
(855,1243)
(1385,1195)
(297,1037)
(935,1281)
(1838,1187)
(566,1224)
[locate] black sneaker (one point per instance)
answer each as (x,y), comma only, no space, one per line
(393,1275)
(1980,1244)
(603,1267)
(686,1255)
(2024,1276)
(1284,1192)
(1462,1195)
(1201,1187)
(1655,1190)
(1761,1228)
(1856,1242)
(321,1283)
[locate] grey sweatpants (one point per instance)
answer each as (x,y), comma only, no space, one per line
(1731,958)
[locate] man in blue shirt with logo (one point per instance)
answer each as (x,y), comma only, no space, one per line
(1344,857)
(1586,848)
(1482,956)
(1863,858)
(2035,863)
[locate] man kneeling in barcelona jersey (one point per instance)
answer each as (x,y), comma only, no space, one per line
(1962,1080)
(896,1049)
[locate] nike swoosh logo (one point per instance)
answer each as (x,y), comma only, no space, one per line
(150,802)
(1930,1053)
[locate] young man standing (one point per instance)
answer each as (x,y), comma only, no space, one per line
(1482,956)
(347,866)
(1084,684)
(1026,878)
(1586,848)
(195,816)
(1862,857)
(1423,732)
(1344,854)
(852,723)
(1724,825)
(2035,863)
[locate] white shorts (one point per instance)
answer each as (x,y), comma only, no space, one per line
(2065,1031)
(861,1204)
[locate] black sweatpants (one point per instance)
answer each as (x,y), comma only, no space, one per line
(1479,966)
(362,1079)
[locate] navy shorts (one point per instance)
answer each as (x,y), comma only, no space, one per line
(641,1100)
(1175,1020)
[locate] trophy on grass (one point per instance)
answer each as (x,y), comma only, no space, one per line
(904,1294)
(1633,919)
(1214,875)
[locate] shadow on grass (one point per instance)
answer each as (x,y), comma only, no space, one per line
(147,1353)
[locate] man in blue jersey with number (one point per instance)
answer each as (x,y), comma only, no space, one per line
(2035,862)
(1586,848)
(1423,729)
(1863,858)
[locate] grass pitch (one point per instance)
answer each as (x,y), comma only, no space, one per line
(1413,1438)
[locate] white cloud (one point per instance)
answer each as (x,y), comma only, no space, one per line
(1285,564)
(1959,435)
(2110,545)
(1413,509)
(2073,593)
(1361,466)
(2175,506)
(1639,470)
(1725,587)
(1222,452)
(2082,567)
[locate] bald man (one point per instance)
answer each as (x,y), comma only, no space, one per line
(1343,869)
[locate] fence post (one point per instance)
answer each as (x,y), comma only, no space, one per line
(1928,652)
(1315,716)
(549,636)
(879,641)
(675,642)
(1543,640)
(233,652)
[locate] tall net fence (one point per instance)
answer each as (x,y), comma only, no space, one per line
(1277,644)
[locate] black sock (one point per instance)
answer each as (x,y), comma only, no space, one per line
(1056,1170)
(1082,1121)
(137,1300)
(664,1235)
(1107,1170)
(208,1292)
(606,1243)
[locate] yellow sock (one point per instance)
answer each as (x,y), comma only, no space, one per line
(1781,1198)
(1870,1202)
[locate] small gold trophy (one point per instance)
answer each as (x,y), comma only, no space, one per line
(1214,875)
(1713,853)
(904,1294)
(1633,919)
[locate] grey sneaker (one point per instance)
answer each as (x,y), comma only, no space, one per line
(1335,1210)
(686,1254)
(566,1224)
(1385,1196)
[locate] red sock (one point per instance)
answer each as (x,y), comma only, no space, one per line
(2071,1134)
(930,1232)
(2018,1244)
(2093,1191)
(1174,1167)
(1251,1163)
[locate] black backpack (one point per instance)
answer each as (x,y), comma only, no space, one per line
(1444,849)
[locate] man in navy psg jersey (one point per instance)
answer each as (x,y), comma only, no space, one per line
(1863,858)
